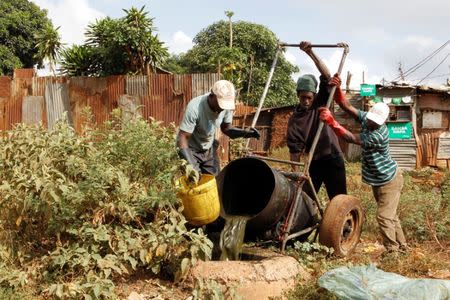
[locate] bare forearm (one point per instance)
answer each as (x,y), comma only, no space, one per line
(183,140)
(323,69)
(343,103)
(351,138)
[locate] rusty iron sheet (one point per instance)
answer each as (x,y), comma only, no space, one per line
(130,106)
(24,73)
(92,93)
(5,86)
(202,83)
(57,103)
(137,85)
(115,89)
(20,87)
(32,109)
(3,103)
(404,153)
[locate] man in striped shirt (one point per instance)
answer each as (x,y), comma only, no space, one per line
(379,170)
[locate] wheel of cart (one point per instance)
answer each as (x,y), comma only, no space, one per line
(341,224)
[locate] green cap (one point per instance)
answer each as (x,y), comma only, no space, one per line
(307,83)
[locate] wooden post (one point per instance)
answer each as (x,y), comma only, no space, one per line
(347,83)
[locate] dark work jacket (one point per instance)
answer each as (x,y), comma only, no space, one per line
(303,125)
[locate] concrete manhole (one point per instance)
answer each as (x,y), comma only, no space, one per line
(268,276)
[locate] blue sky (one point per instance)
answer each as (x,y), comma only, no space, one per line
(380,33)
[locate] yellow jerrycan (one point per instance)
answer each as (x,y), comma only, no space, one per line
(201,202)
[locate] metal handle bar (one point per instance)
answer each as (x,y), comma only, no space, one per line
(338,45)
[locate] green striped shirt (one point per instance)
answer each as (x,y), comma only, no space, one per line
(378,167)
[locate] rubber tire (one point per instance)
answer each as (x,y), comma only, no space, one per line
(342,212)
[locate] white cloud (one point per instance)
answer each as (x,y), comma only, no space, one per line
(179,43)
(72,15)
(290,57)
(356,68)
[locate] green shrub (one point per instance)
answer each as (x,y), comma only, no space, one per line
(81,210)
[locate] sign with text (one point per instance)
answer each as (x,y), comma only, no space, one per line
(400,131)
(368,90)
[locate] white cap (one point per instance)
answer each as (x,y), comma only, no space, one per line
(378,113)
(225,93)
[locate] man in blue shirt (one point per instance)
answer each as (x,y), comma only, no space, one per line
(203,115)
(379,170)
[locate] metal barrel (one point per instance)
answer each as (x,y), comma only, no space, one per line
(249,186)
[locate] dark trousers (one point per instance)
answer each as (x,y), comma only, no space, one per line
(208,160)
(331,172)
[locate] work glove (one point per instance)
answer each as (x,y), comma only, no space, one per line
(339,96)
(190,169)
(252,133)
(327,118)
(245,133)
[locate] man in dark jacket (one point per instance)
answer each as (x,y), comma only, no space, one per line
(327,165)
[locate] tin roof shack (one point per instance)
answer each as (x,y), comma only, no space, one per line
(433,114)
(401,123)
(264,125)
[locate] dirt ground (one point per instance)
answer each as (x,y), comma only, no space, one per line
(428,259)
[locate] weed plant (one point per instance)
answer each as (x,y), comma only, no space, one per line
(79,211)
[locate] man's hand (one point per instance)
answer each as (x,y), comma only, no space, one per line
(191,174)
(306,46)
(339,96)
(327,118)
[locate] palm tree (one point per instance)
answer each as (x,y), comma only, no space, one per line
(48,44)
(229,14)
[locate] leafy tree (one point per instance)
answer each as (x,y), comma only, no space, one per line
(49,45)
(20,22)
(247,64)
(126,45)
(80,61)
(173,64)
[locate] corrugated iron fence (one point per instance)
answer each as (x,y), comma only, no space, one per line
(162,97)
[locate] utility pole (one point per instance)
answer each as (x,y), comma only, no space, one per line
(400,71)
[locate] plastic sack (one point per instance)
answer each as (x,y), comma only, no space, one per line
(368,282)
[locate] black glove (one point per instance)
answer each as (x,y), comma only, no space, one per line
(253,132)
(186,154)
(245,133)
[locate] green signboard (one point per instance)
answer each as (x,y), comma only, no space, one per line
(401,131)
(368,90)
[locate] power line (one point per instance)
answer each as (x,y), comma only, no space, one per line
(435,76)
(426,59)
(423,61)
(440,63)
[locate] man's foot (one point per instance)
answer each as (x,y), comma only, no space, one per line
(390,254)
(404,248)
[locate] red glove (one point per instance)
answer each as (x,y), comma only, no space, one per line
(339,96)
(327,118)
